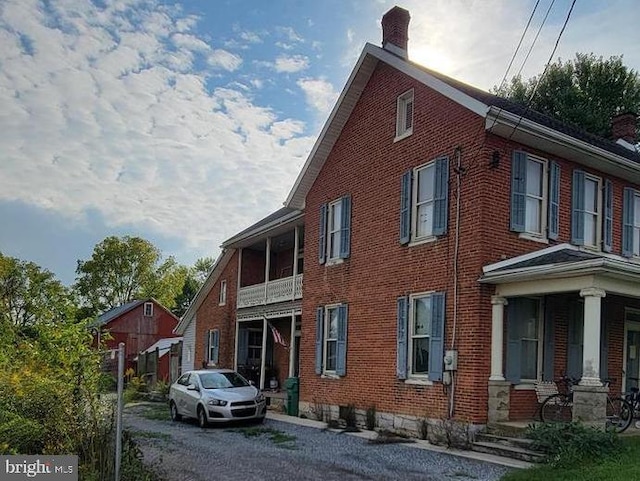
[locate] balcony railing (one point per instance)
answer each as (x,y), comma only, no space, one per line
(279,290)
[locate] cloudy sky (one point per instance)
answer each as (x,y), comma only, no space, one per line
(185,122)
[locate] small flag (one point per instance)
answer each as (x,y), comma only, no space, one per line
(277,337)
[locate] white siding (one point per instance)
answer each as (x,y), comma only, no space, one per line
(189,346)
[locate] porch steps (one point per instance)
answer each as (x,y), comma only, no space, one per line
(500,444)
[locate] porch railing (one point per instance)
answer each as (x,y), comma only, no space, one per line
(279,290)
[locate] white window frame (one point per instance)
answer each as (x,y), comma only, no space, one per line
(334,235)
(411,335)
(222,296)
(415,186)
(211,347)
(544,200)
(402,129)
(636,226)
(148,309)
(327,340)
(254,348)
(598,215)
(540,343)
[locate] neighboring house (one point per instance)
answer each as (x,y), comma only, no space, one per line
(464,247)
(160,361)
(139,324)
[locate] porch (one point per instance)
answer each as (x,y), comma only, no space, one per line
(562,311)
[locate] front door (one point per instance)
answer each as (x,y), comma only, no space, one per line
(631,349)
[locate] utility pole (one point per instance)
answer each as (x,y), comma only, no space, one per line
(119,410)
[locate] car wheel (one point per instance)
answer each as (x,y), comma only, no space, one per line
(175,415)
(202,417)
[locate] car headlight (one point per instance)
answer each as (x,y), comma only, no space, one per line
(217,402)
(260,398)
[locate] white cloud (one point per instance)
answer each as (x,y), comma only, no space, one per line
(223,59)
(126,127)
(319,94)
(251,37)
(290,34)
(291,64)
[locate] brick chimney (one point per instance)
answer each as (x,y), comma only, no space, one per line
(623,126)
(395,31)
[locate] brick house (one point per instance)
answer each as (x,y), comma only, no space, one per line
(464,248)
(139,324)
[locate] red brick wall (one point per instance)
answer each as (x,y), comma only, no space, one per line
(366,163)
(211,315)
(253,264)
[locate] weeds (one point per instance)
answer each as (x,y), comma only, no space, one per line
(275,435)
(370,418)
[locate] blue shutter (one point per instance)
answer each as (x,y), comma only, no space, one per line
(577,208)
(436,339)
(205,356)
(628,215)
(607,234)
(554,200)
(243,346)
(401,352)
(518,191)
(405,208)
(549,345)
(514,346)
(441,196)
(345,227)
(216,347)
(341,345)
(574,344)
(319,338)
(322,234)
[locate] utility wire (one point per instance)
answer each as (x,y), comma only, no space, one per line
(546,15)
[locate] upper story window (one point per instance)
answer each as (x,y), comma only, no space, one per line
(335,230)
(404,115)
(148,309)
(331,340)
(535,192)
(424,201)
(631,223)
(420,349)
(222,296)
(586,205)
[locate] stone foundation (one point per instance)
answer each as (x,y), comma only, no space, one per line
(499,398)
(590,405)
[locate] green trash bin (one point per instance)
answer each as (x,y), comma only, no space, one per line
(292,385)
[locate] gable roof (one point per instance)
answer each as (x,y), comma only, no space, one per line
(282,217)
(506,115)
(116,312)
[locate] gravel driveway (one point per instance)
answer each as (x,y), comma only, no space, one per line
(283,451)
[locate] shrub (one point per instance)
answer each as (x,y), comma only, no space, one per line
(370,418)
(349,416)
(567,444)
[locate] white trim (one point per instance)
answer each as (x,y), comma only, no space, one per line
(544,198)
(325,339)
(394,49)
(635,325)
(332,207)
(222,294)
(260,231)
(627,145)
(599,193)
(414,200)
(404,99)
(526,257)
(410,335)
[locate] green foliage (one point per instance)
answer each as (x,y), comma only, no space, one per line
(566,444)
(135,390)
(586,91)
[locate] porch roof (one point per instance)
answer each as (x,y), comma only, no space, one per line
(564,267)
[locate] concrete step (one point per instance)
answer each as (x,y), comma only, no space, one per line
(505,440)
(507,451)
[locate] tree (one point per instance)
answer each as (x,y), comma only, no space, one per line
(195,277)
(201,269)
(587,91)
(123,269)
(30,295)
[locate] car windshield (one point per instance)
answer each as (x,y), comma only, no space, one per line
(222,380)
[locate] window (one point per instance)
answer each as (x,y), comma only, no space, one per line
(331,340)
(631,223)
(524,332)
(404,115)
(424,201)
(534,194)
(148,309)
(213,346)
(254,347)
(222,297)
(420,341)
(586,219)
(335,230)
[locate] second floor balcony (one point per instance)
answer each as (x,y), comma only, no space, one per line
(278,290)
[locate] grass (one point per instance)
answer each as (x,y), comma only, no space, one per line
(276,436)
(151,435)
(156,412)
(623,467)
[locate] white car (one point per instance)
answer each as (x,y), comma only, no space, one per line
(215,395)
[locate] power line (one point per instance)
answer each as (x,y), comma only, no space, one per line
(536,37)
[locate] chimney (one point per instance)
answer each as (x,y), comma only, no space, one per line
(395,31)
(623,126)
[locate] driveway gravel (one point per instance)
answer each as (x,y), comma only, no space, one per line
(282,451)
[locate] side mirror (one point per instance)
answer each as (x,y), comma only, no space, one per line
(252,383)
(193,387)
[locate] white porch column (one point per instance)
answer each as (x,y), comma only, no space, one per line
(235,351)
(292,338)
(263,358)
(296,246)
(267,267)
(497,337)
(239,270)
(591,347)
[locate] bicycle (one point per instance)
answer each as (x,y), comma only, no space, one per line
(633,398)
(559,408)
